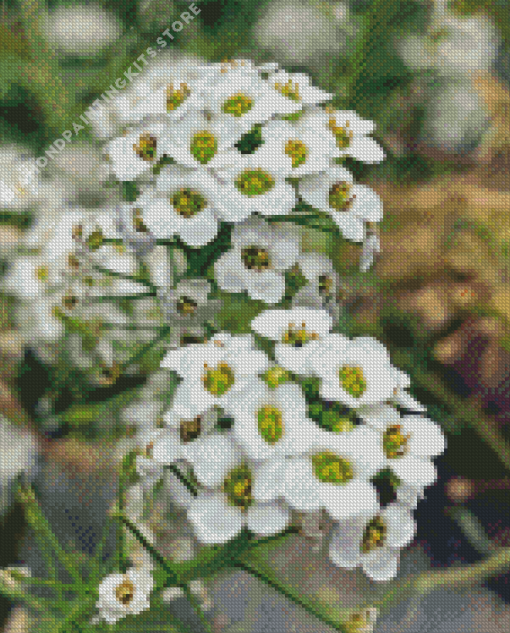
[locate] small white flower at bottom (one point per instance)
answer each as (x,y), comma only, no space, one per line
(124,594)
(373,542)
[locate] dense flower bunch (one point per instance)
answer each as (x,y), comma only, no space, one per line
(293,417)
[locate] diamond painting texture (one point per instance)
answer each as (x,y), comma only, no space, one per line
(254,323)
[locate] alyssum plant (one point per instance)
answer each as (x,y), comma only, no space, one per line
(295,417)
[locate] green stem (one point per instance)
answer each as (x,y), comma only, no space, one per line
(265,574)
(42,74)
(196,606)
(113,273)
(140,295)
(165,331)
(182,478)
(161,560)
(38,522)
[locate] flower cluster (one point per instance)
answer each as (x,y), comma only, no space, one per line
(314,431)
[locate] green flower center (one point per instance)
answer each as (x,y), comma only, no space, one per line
(270,424)
(297,152)
(69,301)
(342,135)
(254,182)
(203,146)
(138,224)
(298,337)
(186,306)
(394,443)
(174,98)
(237,105)
(255,258)
(331,468)
(146,147)
(338,197)
(125,592)
(275,376)
(374,535)
(42,273)
(95,240)
(188,202)
(289,90)
(190,429)
(237,487)
(353,380)
(325,285)
(218,381)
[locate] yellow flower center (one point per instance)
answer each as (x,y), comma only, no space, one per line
(186,306)
(218,381)
(138,224)
(331,468)
(352,380)
(95,240)
(276,376)
(237,105)
(270,424)
(297,152)
(188,202)
(255,258)
(203,146)
(254,182)
(374,535)
(342,135)
(125,592)
(174,98)
(42,273)
(146,147)
(289,90)
(338,197)
(237,487)
(298,337)
(394,443)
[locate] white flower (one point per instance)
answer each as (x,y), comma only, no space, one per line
(188,302)
(200,141)
(296,149)
(371,248)
(373,542)
(401,397)
(218,516)
(138,151)
(246,98)
(183,428)
(255,184)
(257,260)
(348,204)
(18,452)
(30,277)
(298,87)
(297,32)
(81,30)
(407,443)
(355,372)
(297,333)
(123,594)
(187,202)
(334,474)
(20,184)
(179,96)
(350,133)
(213,370)
(271,422)
(321,274)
